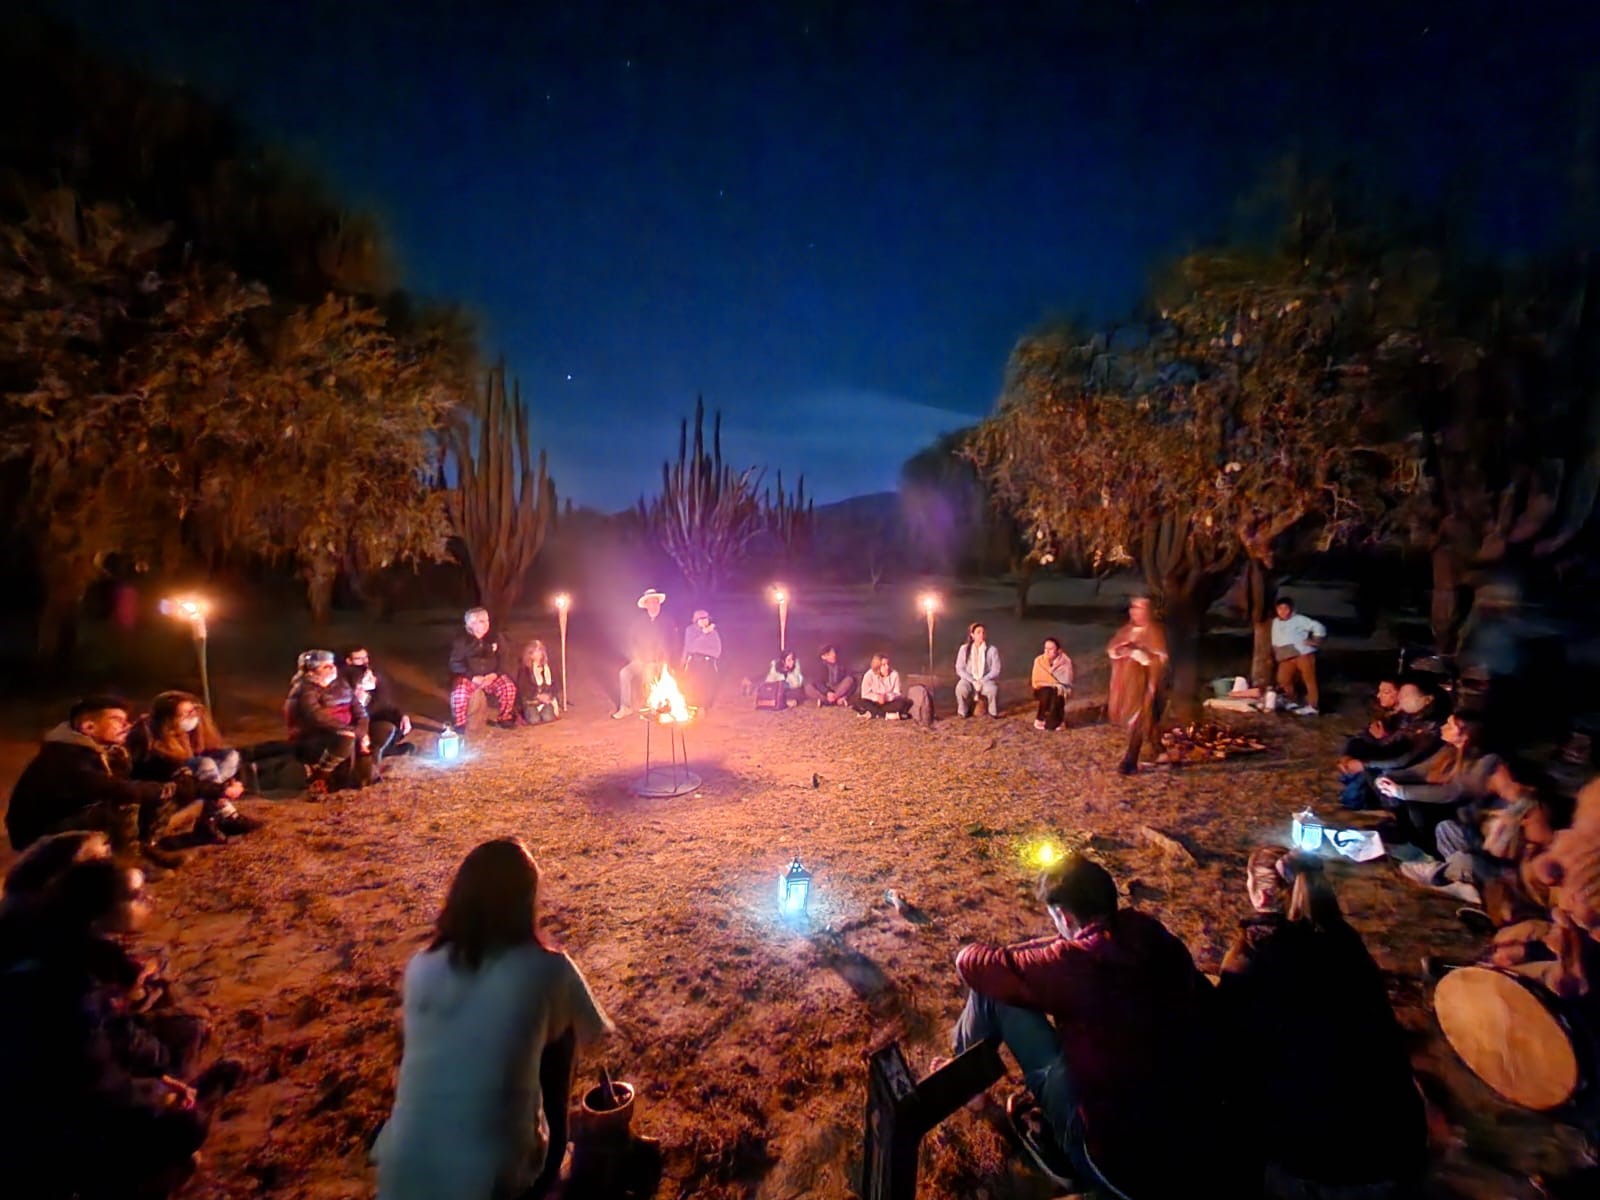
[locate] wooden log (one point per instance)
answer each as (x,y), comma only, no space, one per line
(901,1110)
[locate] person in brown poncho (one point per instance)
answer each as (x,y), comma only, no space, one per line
(1138,653)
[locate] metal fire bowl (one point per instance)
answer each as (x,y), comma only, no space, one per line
(662,783)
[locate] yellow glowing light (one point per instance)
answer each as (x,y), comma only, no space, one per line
(930,602)
(1044,854)
(666,701)
(189,607)
(779,596)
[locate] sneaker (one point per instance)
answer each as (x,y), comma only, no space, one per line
(1036,1137)
(1424,871)
(865,716)
(1038,724)
(619,714)
(892,716)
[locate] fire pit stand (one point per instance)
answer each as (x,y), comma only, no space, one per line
(660,782)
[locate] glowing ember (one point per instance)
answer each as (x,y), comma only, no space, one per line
(1043,854)
(666,702)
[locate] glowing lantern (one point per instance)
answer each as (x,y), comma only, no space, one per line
(794,890)
(1306,831)
(449,746)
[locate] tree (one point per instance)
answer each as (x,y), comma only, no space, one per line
(1192,445)
(706,515)
(790,518)
(501,506)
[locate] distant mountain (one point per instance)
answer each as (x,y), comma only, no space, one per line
(855,509)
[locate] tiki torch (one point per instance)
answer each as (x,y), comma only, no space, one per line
(781,597)
(930,605)
(187,608)
(563,602)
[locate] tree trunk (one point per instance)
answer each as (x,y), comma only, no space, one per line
(1445,602)
(1184,615)
(320,577)
(1261,588)
(1022,577)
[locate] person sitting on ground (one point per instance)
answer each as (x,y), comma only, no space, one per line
(1413,736)
(1295,641)
(1104,1016)
(1458,773)
(702,660)
(328,727)
(538,685)
(650,648)
(173,741)
(1051,681)
(388,724)
(477,664)
(784,670)
(881,696)
(492,1019)
(977,672)
(1384,720)
(98,1122)
(82,779)
(835,685)
(1297,964)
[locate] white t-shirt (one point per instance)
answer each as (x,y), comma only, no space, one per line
(468,1114)
(1297,633)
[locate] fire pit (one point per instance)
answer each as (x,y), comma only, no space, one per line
(1198,743)
(666,707)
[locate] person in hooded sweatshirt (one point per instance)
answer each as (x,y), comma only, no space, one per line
(492,1019)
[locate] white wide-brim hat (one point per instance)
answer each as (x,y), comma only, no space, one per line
(652,594)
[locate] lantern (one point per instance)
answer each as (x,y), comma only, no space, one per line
(449,746)
(794,890)
(1306,831)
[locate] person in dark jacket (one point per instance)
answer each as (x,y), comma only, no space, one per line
(388,725)
(1105,1017)
(833,686)
(652,644)
(538,685)
(1297,967)
(478,664)
(82,779)
(1413,734)
(97,1123)
(328,726)
(176,739)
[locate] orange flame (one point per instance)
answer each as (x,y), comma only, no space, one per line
(666,701)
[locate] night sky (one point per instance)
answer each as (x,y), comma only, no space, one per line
(834,219)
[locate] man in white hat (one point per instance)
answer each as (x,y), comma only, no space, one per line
(651,644)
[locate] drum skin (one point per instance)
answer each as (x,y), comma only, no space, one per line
(1509,1033)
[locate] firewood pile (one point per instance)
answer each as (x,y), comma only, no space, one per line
(1203,742)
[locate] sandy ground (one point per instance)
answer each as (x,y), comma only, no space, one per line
(745,1036)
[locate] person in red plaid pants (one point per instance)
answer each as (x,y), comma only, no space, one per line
(478,664)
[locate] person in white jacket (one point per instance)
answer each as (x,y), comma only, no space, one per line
(786,670)
(880,692)
(1295,640)
(977,672)
(492,1020)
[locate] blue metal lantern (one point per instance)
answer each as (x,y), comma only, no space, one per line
(449,746)
(794,890)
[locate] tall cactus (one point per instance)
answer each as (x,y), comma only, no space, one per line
(706,515)
(790,518)
(501,505)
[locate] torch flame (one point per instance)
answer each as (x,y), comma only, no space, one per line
(666,701)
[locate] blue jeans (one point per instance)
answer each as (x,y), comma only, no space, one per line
(1033,1043)
(215,766)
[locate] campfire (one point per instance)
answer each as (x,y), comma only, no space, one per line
(665,702)
(1196,743)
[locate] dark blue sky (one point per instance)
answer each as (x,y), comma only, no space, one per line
(833,219)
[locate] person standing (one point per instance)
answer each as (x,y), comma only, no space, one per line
(702,659)
(650,646)
(1138,653)
(977,672)
(1051,681)
(1295,639)
(478,664)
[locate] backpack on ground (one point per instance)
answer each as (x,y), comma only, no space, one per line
(921,705)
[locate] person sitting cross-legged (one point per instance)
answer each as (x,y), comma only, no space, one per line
(389,725)
(1298,966)
(178,738)
(477,664)
(977,672)
(328,726)
(785,670)
(1105,1017)
(881,696)
(835,685)
(82,779)
(1411,734)
(1051,681)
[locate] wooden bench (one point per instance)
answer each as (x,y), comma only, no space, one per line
(901,1110)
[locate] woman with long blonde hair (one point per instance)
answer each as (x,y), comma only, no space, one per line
(538,685)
